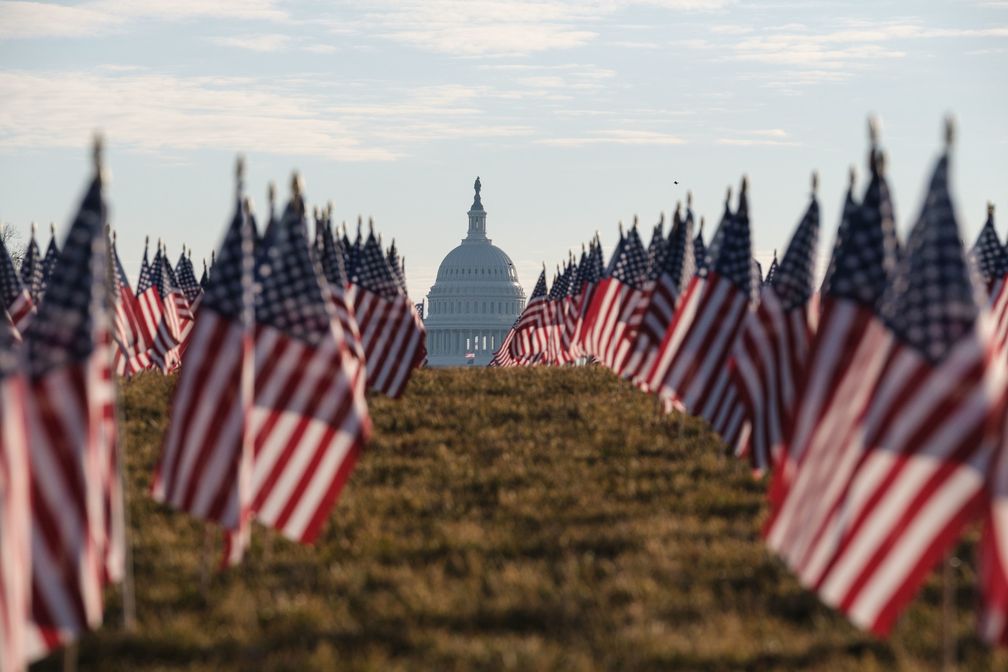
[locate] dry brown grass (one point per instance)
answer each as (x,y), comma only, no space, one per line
(504,519)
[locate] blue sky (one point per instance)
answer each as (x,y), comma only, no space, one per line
(576,115)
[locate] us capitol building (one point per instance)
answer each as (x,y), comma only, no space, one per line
(475,298)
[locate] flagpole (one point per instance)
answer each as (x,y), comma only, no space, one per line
(128,594)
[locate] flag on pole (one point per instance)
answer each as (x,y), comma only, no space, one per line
(529,343)
(16,299)
(769,357)
(205,466)
(842,362)
(129,334)
(772,271)
(338,290)
(672,275)
(52,253)
(989,255)
(15,506)
(391,332)
(911,471)
(187,278)
(309,418)
(75,486)
(31,269)
(691,371)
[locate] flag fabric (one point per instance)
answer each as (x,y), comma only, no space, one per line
(883,507)
(15,506)
(309,418)
(332,261)
(864,255)
(699,249)
(31,269)
(771,271)
(690,371)
(128,333)
(674,266)
(769,357)
(166,315)
(391,332)
(187,279)
(205,466)
(590,273)
(16,299)
(52,253)
(529,343)
(76,493)
(989,255)
(613,317)
(144,279)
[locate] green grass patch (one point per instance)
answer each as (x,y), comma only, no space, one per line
(504,519)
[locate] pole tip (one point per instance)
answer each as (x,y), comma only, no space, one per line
(727,196)
(98,153)
(815,182)
(990,209)
(851,177)
(745,185)
(240,168)
(271,194)
(52,229)
(873,130)
(950,128)
(297,184)
(689,199)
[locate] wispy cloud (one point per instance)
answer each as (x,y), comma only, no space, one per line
(768,137)
(615,137)
(264,42)
(24,19)
(290,115)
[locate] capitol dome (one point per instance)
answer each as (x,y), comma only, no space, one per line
(475,298)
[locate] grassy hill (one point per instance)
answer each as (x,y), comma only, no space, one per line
(504,519)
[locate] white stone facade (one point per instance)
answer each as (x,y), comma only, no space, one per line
(475,298)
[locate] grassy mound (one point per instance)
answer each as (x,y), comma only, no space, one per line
(503,519)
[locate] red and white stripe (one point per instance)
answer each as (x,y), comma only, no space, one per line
(531,342)
(657,308)
(768,364)
(392,336)
(691,369)
(609,321)
(205,465)
(162,328)
(309,422)
(22,310)
(74,547)
(868,517)
(15,526)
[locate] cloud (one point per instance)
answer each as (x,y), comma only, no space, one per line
(503,27)
(287,115)
(263,43)
(774,137)
(615,137)
(24,19)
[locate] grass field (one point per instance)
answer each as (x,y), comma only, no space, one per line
(504,519)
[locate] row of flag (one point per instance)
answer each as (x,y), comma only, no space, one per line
(876,403)
(274,347)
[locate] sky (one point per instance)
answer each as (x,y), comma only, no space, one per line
(576,115)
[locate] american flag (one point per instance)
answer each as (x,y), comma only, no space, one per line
(398,266)
(910,472)
(166,314)
(338,286)
(309,418)
(559,350)
(772,271)
(129,333)
(391,332)
(504,357)
(699,249)
(610,319)
(144,279)
(52,253)
(186,275)
(76,495)
(769,357)
(672,275)
(989,255)
(15,506)
(529,343)
(15,297)
(31,269)
(590,272)
(864,255)
(691,370)
(205,467)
